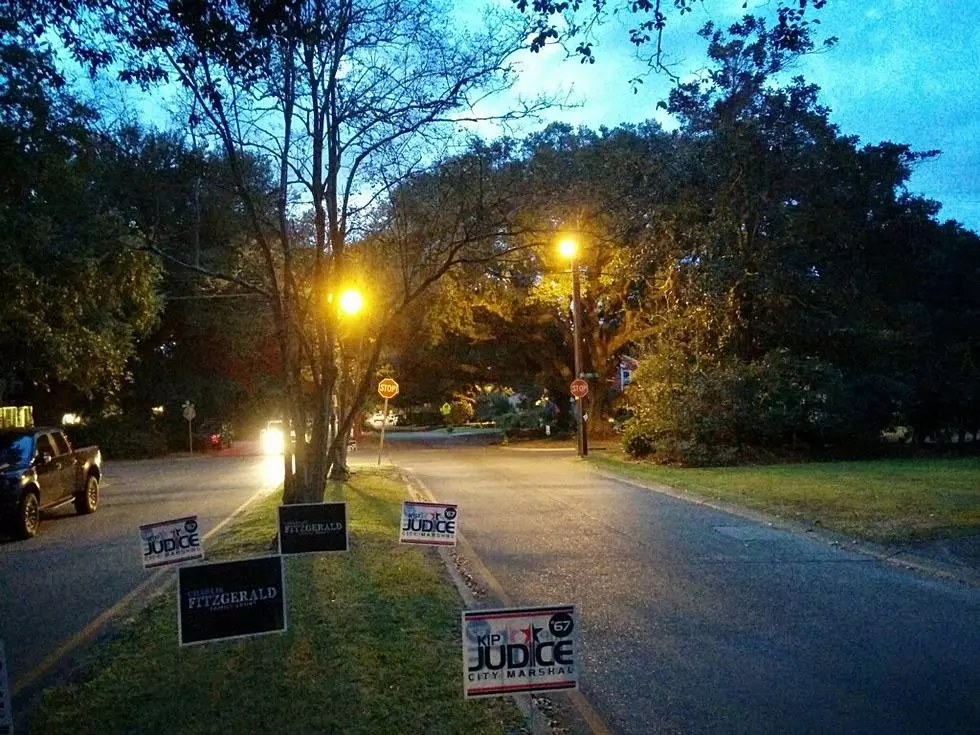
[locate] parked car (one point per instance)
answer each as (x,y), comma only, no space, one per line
(39,469)
(213,435)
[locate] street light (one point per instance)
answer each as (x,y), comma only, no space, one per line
(569,250)
(351,301)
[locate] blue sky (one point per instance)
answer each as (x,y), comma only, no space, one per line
(907,71)
(904,71)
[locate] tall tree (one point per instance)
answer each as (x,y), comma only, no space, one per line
(78,293)
(777,321)
(345,98)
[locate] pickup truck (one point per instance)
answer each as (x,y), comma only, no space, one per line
(39,469)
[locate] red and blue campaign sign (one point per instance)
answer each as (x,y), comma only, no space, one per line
(428,523)
(230,599)
(170,542)
(531,649)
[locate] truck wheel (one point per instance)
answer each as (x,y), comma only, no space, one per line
(28,518)
(88,500)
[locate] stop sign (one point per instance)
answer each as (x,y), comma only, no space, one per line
(387,388)
(579,388)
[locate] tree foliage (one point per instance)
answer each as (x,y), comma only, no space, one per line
(793,309)
(78,292)
(343,99)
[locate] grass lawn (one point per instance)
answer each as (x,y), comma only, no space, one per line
(372,647)
(890,501)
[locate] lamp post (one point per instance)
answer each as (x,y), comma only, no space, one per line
(351,303)
(569,249)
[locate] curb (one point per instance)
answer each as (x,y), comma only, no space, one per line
(895,556)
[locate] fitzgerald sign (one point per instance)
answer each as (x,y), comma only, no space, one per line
(312,527)
(231,599)
(428,523)
(170,542)
(6,707)
(530,649)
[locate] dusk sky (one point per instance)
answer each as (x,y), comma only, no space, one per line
(903,70)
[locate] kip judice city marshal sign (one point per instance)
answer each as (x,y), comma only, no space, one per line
(532,649)
(232,599)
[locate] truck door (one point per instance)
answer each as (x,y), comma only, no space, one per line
(57,477)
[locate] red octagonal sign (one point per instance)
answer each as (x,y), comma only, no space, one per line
(387,388)
(579,388)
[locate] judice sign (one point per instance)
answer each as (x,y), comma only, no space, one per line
(170,542)
(519,650)
(428,523)
(231,599)
(312,527)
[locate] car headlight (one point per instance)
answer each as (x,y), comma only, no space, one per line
(273,441)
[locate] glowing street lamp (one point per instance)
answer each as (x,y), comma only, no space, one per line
(569,250)
(351,301)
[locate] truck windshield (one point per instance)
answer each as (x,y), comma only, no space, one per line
(15,450)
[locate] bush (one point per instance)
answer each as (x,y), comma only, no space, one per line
(422,417)
(489,406)
(460,412)
(637,440)
(122,437)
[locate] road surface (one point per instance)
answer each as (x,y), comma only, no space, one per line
(696,621)
(53,585)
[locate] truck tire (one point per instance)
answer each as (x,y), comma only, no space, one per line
(88,500)
(28,518)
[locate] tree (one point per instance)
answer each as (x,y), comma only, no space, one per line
(78,293)
(780,321)
(345,99)
(574,25)
(211,346)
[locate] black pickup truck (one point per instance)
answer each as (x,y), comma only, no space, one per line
(39,469)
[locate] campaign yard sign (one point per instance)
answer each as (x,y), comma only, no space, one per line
(309,528)
(6,707)
(170,542)
(428,523)
(231,599)
(531,649)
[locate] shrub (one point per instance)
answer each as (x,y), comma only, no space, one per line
(122,437)
(637,440)
(460,412)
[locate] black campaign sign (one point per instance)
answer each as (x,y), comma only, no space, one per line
(312,527)
(231,599)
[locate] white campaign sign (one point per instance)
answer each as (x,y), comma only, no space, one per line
(533,649)
(170,542)
(428,523)
(6,708)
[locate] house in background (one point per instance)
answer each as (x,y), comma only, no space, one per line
(624,372)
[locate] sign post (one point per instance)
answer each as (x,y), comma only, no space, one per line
(189,413)
(580,389)
(387,389)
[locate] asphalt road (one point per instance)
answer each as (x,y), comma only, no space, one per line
(53,585)
(696,621)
